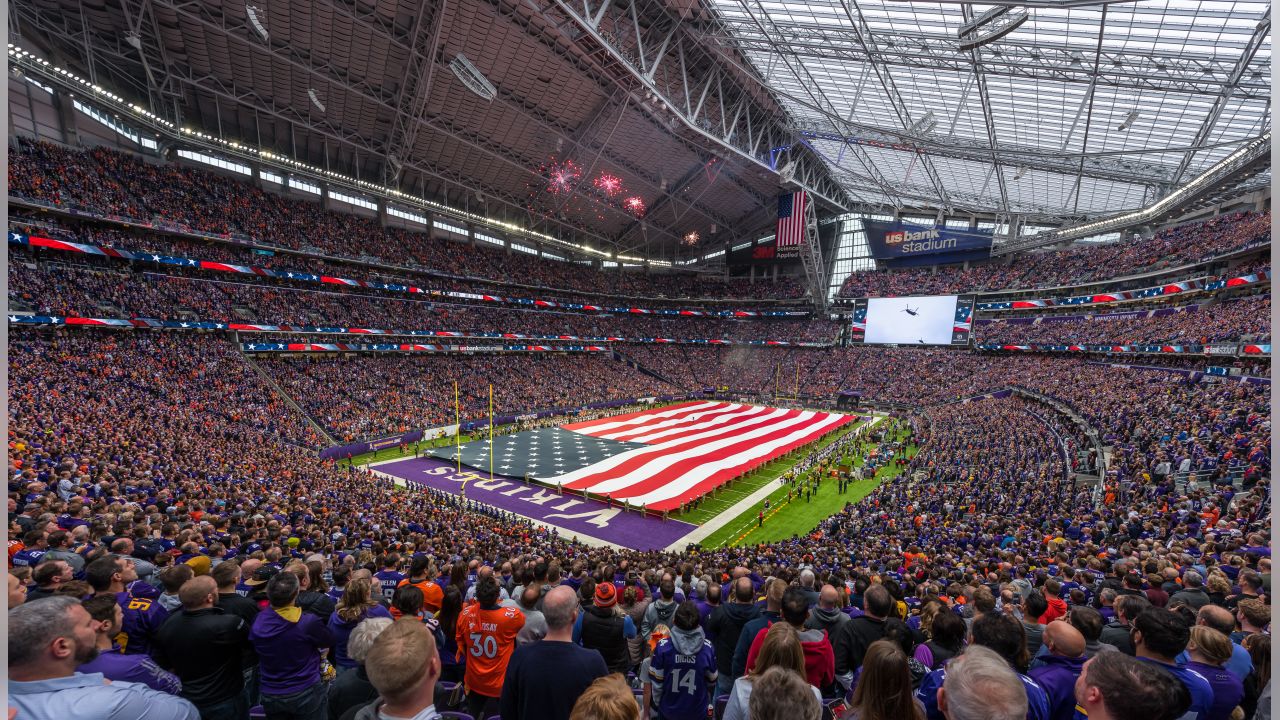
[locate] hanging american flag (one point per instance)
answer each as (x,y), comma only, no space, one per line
(791,220)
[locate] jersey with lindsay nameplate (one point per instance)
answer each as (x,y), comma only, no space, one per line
(488,637)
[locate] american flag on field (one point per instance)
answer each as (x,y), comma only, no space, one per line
(791,224)
(659,459)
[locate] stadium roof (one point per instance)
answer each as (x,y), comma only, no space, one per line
(701,108)
(1083,109)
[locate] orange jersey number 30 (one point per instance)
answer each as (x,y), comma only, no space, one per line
(488,637)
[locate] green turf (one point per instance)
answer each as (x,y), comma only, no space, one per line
(785,520)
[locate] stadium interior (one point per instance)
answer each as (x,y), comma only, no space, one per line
(926,345)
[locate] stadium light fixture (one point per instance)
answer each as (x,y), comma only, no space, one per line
(1128,120)
(315,99)
(134,40)
(470,76)
(256,22)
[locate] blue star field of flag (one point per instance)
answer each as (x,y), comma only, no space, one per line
(541,453)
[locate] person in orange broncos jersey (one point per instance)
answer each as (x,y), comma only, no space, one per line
(420,577)
(487,635)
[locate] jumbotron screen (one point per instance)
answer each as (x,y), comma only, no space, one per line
(920,320)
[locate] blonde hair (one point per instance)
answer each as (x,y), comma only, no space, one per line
(1213,645)
(608,698)
(400,658)
(781,648)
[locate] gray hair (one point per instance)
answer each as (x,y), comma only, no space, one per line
(1192,579)
(980,685)
(807,578)
(363,636)
(33,625)
(558,607)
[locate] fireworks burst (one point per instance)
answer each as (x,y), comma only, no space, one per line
(608,185)
(692,238)
(562,178)
(634,205)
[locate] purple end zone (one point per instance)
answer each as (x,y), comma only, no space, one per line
(543,504)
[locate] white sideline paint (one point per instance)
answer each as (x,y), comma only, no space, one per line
(729,514)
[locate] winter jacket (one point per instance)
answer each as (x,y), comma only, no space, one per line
(1057,675)
(727,622)
(605,631)
(819,661)
(213,674)
(748,636)
(850,646)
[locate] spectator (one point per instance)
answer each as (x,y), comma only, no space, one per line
(1192,594)
(60,549)
(1220,619)
(1257,687)
(605,628)
(545,678)
(1034,606)
(1056,606)
(1254,616)
(608,698)
(781,648)
(1209,651)
(827,615)
(782,694)
(946,640)
(143,616)
(1089,622)
(819,662)
(683,668)
(171,581)
(17,591)
(353,689)
(420,574)
(980,684)
(49,576)
(662,610)
(884,691)
(1114,686)
(1002,635)
(113,665)
(403,666)
(726,624)
(290,644)
(486,634)
(356,606)
(452,659)
(858,634)
(1159,636)
(535,624)
(1118,632)
(1059,668)
(213,678)
(48,640)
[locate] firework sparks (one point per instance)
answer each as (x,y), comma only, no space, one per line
(634,205)
(562,178)
(692,238)
(608,185)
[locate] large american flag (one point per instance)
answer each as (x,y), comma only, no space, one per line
(791,225)
(656,458)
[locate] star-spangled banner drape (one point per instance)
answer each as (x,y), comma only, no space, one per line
(659,458)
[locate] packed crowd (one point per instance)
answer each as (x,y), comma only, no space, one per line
(119,184)
(1247,319)
(55,289)
(982,580)
(360,398)
(1173,247)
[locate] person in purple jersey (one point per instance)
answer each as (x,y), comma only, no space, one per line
(1158,636)
(115,665)
(683,669)
(1115,686)
(142,616)
(1210,650)
(389,576)
(35,545)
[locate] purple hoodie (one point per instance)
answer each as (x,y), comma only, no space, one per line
(1058,678)
(115,665)
(289,649)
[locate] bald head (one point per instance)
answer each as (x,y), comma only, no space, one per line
(1217,618)
(560,608)
(248,567)
(198,592)
(742,590)
(1063,640)
(827,598)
